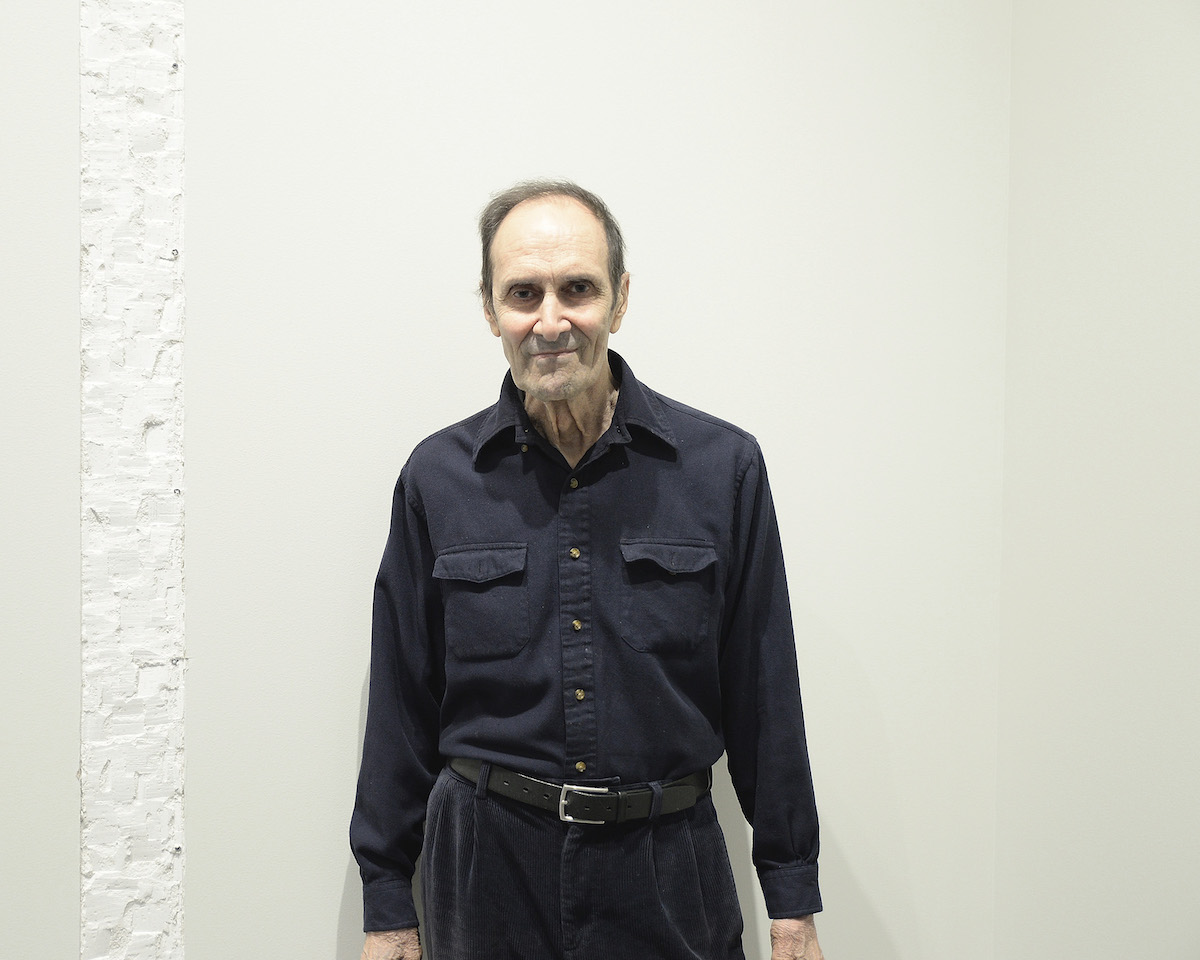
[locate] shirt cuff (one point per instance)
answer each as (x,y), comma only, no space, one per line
(790,891)
(388,905)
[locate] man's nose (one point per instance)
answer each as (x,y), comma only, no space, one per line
(552,320)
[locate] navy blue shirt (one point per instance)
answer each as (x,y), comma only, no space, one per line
(623,621)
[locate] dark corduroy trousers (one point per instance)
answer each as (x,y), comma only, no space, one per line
(504,881)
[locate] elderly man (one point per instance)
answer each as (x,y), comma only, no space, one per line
(581,605)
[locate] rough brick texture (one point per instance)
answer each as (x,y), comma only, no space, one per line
(132,478)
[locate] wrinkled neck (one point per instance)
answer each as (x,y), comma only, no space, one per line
(575,424)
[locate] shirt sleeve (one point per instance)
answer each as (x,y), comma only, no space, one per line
(762,713)
(400,760)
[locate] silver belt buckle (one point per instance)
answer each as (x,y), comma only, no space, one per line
(562,802)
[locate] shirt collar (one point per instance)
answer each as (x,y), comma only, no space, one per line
(637,406)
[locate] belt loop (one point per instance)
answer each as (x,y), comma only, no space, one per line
(656,800)
(481,785)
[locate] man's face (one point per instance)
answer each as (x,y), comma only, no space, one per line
(553,306)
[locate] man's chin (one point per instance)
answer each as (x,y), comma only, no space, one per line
(547,395)
(552,388)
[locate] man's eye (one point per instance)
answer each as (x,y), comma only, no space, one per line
(579,288)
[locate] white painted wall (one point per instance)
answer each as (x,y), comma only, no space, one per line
(815,200)
(1099,830)
(39,478)
(855,241)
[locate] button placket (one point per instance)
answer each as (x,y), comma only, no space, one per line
(575,599)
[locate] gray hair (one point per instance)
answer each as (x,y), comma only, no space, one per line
(501,205)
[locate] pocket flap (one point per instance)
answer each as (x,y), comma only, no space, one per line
(480,563)
(674,556)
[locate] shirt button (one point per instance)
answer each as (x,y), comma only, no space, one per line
(574,551)
(579,694)
(574,482)
(581,766)
(524,448)
(577,625)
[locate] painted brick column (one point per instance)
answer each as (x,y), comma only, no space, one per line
(131,264)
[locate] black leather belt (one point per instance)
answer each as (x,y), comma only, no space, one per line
(576,804)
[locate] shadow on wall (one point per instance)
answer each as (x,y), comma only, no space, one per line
(853,735)
(756,938)
(349,932)
(851,927)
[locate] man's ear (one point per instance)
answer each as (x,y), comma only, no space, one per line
(490,317)
(622,303)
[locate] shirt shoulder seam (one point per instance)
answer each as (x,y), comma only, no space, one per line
(695,414)
(461,424)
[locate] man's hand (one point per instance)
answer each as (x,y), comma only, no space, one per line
(392,945)
(795,938)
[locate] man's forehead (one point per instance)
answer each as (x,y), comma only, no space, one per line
(544,221)
(553,233)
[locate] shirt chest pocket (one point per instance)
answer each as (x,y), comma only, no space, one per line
(485,599)
(670,594)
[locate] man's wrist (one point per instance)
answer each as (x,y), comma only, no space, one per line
(402,944)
